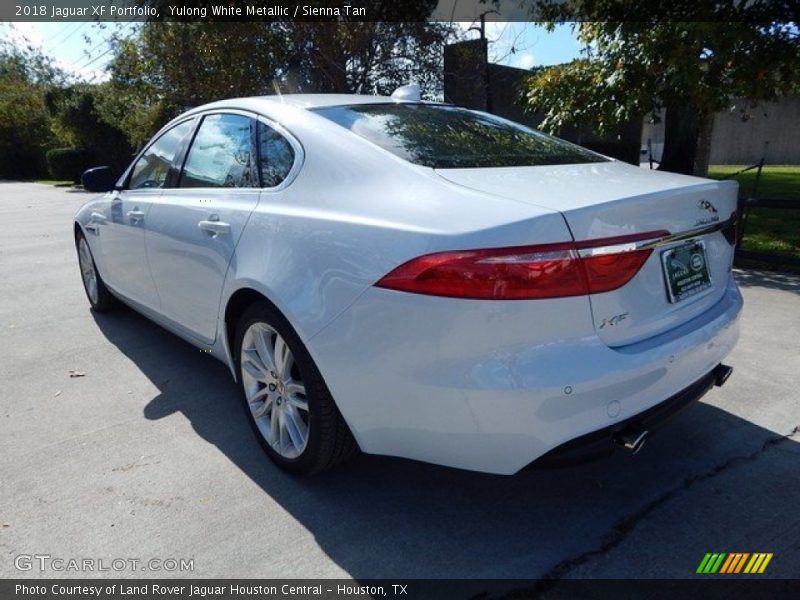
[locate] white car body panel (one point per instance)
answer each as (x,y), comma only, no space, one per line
(603,200)
(122,251)
(494,385)
(189,264)
(475,384)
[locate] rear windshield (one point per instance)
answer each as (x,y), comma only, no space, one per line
(445,137)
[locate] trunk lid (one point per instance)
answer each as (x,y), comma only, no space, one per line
(607,200)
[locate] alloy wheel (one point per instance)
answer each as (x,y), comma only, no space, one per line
(274,390)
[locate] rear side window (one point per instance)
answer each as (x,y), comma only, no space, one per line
(221,154)
(446,137)
(151,170)
(276,156)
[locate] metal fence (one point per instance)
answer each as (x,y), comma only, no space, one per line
(746,206)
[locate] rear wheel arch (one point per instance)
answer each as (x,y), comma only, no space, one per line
(331,440)
(237,304)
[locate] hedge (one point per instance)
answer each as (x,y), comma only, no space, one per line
(68,163)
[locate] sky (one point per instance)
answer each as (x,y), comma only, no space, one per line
(82,49)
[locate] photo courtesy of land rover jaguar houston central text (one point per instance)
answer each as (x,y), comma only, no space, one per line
(415,279)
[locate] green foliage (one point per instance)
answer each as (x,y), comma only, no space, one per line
(776,181)
(69,163)
(768,230)
(75,122)
(633,68)
(166,67)
(25,78)
(169,67)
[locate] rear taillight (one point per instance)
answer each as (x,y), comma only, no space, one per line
(519,273)
(524,272)
(731,229)
(607,272)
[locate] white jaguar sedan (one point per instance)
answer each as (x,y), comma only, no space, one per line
(419,280)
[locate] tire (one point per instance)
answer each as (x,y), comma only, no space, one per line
(284,396)
(99,297)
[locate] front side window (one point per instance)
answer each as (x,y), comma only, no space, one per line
(221,154)
(276,156)
(151,170)
(446,137)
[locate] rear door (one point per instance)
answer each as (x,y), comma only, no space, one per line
(122,226)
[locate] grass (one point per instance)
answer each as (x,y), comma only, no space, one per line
(772,231)
(777,181)
(55,182)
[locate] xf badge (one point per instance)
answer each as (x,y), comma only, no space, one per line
(615,320)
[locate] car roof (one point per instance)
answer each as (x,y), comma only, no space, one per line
(302,101)
(319,100)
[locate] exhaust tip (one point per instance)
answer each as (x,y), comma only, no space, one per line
(721,374)
(631,439)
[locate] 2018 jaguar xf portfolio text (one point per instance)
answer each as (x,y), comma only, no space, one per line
(420,280)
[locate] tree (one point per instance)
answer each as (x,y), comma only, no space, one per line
(171,66)
(76,124)
(25,77)
(740,52)
(168,67)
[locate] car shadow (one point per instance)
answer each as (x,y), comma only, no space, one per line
(775,280)
(383,517)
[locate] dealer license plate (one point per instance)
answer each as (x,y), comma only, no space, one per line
(685,270)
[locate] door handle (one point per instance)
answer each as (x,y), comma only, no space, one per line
(214,226)
(95,219)
(135,215)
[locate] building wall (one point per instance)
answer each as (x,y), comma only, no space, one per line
(772,130)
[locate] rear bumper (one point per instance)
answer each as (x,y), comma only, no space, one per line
(492,386)
(600,444)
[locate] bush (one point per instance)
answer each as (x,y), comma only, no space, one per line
(21,162)
(69,163)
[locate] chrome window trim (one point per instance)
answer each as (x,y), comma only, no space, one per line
(124,181)
(653,243)
(299,153)
(200,116)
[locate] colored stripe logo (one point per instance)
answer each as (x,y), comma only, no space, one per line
(734,562)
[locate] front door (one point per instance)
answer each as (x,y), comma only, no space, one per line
(122,233)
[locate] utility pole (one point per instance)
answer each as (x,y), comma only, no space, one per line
(487,84)
(487,87)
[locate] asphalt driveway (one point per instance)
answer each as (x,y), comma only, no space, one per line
(146,455)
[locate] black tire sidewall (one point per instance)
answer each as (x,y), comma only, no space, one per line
(104,298)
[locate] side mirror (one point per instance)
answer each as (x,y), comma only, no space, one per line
(98,179)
